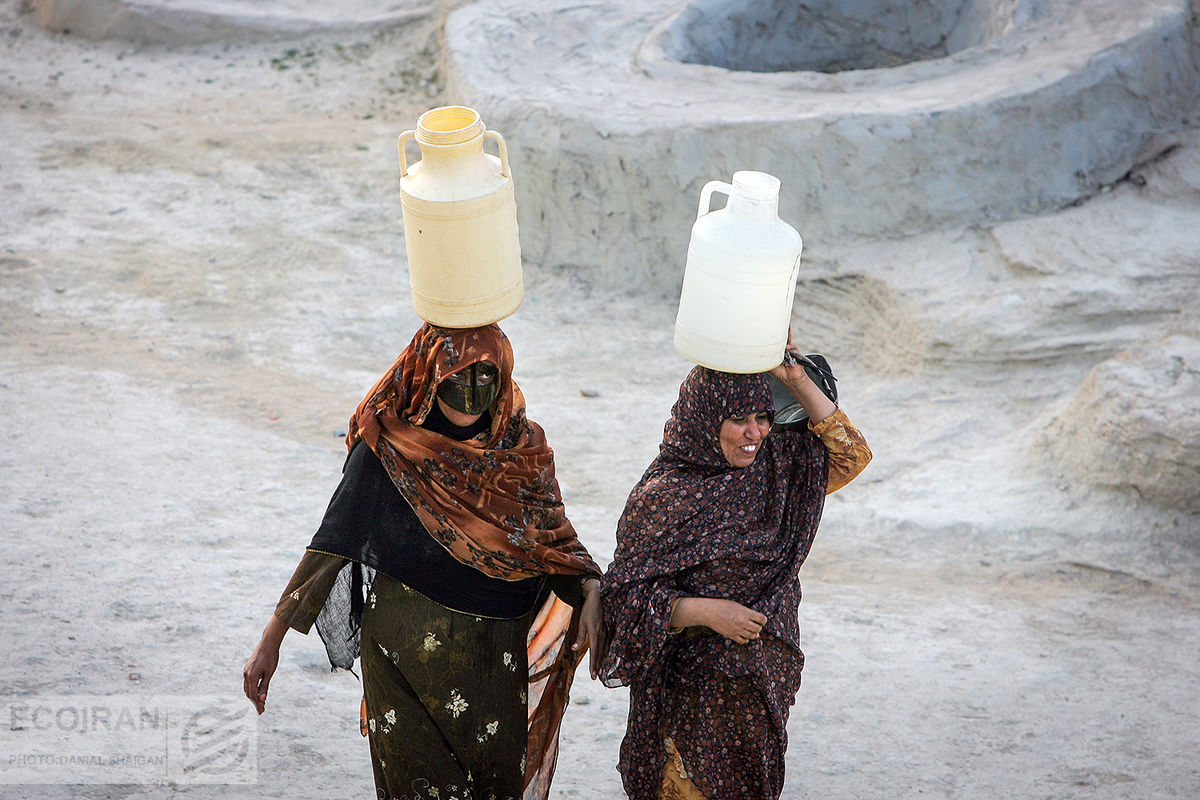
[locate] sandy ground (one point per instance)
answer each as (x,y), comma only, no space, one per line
(202,271)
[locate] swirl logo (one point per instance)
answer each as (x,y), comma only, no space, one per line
(217,741)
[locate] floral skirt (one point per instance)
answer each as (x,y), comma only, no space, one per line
(446,698)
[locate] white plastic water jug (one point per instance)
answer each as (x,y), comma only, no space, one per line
(740,278)
(460,222)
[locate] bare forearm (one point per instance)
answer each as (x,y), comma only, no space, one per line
(274,632)
(810,396)
(591,627)
(256,675)
(689,611)
(727,617)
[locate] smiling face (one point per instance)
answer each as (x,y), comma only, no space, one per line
(741,437)
(719,421)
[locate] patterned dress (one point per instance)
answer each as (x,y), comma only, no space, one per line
(446,698)
(708,716)
(445,681)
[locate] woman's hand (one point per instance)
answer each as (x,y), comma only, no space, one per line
(591,627)
(731,619)
(256,675)
(807,393)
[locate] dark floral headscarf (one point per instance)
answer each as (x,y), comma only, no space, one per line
(695,526)
(706,399)
(691,505)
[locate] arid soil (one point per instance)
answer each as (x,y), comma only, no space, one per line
(202,271)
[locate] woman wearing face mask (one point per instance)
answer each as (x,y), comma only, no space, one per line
(700,602)
(445,557)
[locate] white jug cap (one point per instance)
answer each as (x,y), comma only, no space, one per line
(755,185)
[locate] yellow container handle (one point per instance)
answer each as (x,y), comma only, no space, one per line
(503,151)
(401,140)
(706,195)
(406,136)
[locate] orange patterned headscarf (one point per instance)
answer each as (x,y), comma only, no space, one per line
(492,501)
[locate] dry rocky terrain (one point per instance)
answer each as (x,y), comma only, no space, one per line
(202,270)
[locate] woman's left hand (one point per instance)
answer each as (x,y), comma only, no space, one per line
(807,393)
(591,628)
(791,375)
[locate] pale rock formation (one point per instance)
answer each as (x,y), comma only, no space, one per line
(1134,424)
(201,279)
(195,21)
(953,113)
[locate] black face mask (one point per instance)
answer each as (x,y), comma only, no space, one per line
(471,390)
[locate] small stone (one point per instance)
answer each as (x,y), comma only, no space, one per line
(136,677)
(589,392)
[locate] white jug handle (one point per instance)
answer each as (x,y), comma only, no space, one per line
(706,195)
(401,140)
(503,151)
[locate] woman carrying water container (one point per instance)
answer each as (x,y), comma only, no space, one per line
(445,555)
(700,601)
(442,556)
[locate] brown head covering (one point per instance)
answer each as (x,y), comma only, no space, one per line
(492,501)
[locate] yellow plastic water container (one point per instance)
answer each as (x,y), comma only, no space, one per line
(460,221)
(740,278)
